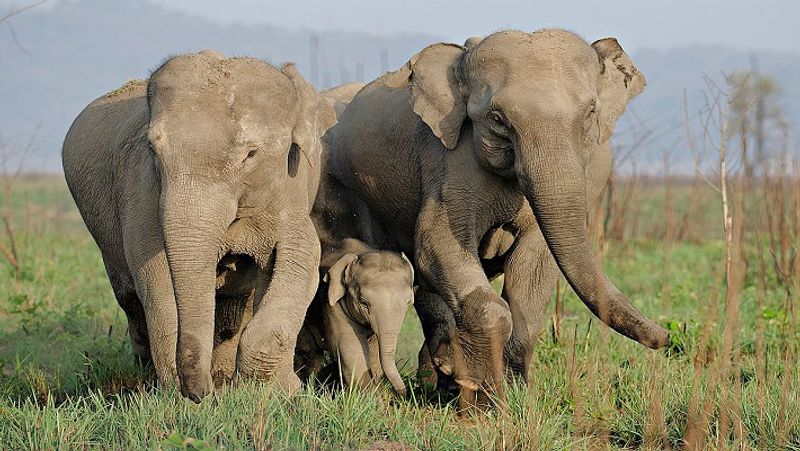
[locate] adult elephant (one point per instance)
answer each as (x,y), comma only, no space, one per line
(481,159)
(197,186)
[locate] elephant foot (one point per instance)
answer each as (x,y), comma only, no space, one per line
(518,360)
(221,377)
(426,373)
(441,351)
(169,380)
(472,399)
(437,351)
(288,382)
(166,373)
(223,363)
(268,357)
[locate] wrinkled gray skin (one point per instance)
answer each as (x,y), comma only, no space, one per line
(482,160)
(197,186)
(362,307)
(338,213)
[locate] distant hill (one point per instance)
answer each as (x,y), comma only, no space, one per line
(78,50)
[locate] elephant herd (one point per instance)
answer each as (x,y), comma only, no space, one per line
(251,226)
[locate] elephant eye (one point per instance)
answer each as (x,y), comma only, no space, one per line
(497,118)
(363,302)
(251,154)
(498,125)
(592,107)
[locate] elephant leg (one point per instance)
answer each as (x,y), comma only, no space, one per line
(435,365)
(308,357)
(266,349)
(530,277)
(447,258)
(137,324)
(426,370)
(352,351)
(154,286)
(230,316)
(144,252)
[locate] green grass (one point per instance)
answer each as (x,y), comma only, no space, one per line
(67,377)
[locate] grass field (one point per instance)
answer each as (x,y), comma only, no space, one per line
(67,377)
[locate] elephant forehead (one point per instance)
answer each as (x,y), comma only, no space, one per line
(223,119)
(544,55)
(199,70)
(384,284)
(259,130)
(383,264)
(186,127)
(386,289)
(542,41)
(192,82)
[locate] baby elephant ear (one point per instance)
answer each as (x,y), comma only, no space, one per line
(338,277)
(410,266)
(314,116)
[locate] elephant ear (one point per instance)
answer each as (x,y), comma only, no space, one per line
(435,89)
(472,41)
(619,82)
(411,267)
(338,277)
(314,117)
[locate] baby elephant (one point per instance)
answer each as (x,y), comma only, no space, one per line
(359,318)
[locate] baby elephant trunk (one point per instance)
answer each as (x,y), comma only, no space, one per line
(387,343)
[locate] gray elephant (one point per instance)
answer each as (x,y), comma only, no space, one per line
(358,316)
(338,212)
(197,186)
(482,160)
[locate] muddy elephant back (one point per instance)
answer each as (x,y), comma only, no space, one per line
(107,127)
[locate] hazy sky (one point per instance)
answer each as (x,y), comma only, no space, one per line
(745,24)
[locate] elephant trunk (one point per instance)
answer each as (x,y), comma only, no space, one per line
(556,190)
(194,221)
(387,344)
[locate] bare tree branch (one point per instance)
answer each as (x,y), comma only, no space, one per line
(5,20)
(17,11)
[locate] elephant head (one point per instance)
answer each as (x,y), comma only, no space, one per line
(226,135)
(374,289)
(533,107)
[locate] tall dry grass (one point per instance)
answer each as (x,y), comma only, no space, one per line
(756,202)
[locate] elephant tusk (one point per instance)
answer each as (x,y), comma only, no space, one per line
(468,384)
